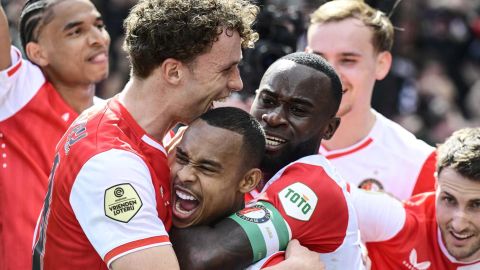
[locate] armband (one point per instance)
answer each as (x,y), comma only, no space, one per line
(265,227)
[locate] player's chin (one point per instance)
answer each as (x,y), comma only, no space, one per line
(100,76)
(182,218)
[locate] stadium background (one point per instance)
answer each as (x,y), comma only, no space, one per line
(432,89)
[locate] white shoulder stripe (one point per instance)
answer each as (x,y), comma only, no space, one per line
(153,143)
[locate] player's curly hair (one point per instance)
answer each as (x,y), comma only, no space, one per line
(183,29)
(339,10)
(461,152)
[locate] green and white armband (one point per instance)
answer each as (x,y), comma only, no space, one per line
(265,227)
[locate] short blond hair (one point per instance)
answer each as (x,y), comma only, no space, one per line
(339,10)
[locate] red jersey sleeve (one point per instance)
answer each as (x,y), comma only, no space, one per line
(313,205)
(426,178)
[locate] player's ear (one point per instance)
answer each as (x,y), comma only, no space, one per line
(172,70)
(384,62)
(36,54)
(331,128)
(250,180)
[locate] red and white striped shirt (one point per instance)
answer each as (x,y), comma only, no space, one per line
(33,118)
(108,195)
(390,158)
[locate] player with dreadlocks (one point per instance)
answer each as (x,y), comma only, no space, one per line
(66,46)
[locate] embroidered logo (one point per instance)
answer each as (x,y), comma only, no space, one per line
(413,264)
(371,184)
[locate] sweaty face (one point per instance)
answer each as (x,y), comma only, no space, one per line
(75,43)
(353,57)
(295,107)
(215,74)
(458,214)
(206,174)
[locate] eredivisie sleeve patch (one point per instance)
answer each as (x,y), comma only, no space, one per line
(122,202)
(265,227)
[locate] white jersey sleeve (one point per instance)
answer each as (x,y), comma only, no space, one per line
(113,199)
(18,84)
(380,216)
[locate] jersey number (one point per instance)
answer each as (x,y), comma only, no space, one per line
(40,244)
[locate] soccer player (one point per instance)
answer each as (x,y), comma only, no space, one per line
(368,150)
(304,199)
(107,204)
(211,179)
(434,230)
(67,53)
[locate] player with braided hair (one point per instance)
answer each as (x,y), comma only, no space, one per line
(67,53)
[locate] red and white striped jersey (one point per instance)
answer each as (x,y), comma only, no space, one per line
(390,158)
(33,118)
(315,203)
(403,235)
(108,193)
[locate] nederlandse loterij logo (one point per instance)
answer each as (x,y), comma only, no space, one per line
(413,264)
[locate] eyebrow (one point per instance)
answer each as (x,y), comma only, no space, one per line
(299,100)
(201,162)
(231,64)
(348,54)
(74,24)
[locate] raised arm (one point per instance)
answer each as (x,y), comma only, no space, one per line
(223,246)
(4,41)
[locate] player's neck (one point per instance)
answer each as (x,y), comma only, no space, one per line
(78,97)
(148,105)
(353,128)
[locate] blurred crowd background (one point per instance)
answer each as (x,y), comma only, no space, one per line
(432,89)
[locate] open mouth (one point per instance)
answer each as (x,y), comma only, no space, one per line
(461,236)
(273,142)
(185,203)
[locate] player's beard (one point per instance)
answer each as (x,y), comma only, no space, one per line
(273,162)
(466,252)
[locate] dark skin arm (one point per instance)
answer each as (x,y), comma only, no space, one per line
(4,41)
(222,246)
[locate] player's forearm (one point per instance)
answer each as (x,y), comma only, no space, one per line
(4,41)
(224,246)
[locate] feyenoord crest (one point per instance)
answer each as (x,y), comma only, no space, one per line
(371,184)
(256,214)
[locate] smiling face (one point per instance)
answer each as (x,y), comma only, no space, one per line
(295,106)
(353,57)
(206,175)
(458,214)
(215,74)
(74,43)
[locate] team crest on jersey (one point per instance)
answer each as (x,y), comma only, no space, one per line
(122,202)
(371,184)
(299,201)
(413,264)
(77,133)
(256,214)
